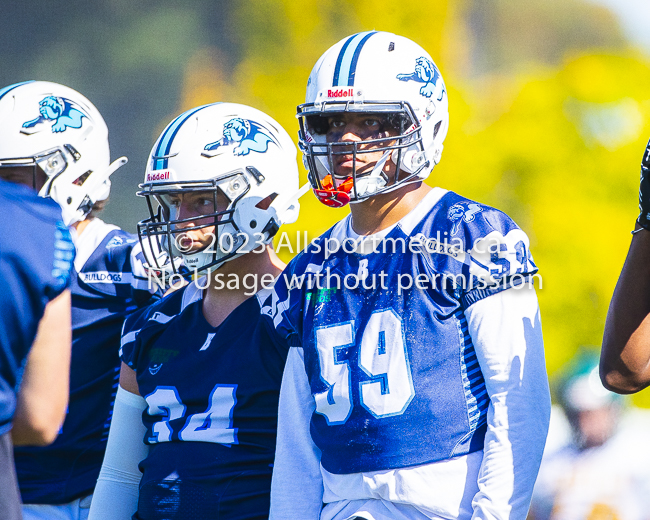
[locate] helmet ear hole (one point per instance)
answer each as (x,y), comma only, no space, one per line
(79,181)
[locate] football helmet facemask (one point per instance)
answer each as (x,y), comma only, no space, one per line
(387,77)
(53,127)
(227,152)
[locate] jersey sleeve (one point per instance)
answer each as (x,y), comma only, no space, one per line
(145,323)
(130,260)
(34,272)
(35,267)
(507,335)
(283,307)
(129,344)
(113,265)
(297,484)
(144,289)
(475,251)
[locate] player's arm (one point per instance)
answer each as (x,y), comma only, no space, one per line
(506,331)
(625,357)
(297,485)
(117,490)
(45,386)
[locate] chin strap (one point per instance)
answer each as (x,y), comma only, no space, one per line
(92,185)
(96,182)
(370,184)
(289,204)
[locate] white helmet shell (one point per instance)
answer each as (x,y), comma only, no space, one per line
(377,72)
(58,129)
(229,147)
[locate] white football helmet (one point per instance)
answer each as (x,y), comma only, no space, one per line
(382,74)
(56,128)
(222,147)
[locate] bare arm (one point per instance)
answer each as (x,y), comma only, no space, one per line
(128,379)
(44,391)
(625,357)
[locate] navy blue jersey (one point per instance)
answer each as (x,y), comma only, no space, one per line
(110,283)
(36,254)
(391,365)
(212,396)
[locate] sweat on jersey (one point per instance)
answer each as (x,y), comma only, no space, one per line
(36,254)
(391,366)
(109,284)
(212,395)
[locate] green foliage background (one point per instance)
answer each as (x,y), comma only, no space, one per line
(549,108)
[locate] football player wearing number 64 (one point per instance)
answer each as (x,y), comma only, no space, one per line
(200,380)
(398,402)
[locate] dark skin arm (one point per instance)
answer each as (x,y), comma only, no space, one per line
(625,356)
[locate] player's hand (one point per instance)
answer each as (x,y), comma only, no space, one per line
(644,190)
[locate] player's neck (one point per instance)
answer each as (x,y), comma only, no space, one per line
(382,211)
(80,226)
(219,302)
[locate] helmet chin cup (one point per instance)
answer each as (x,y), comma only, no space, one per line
(369,186)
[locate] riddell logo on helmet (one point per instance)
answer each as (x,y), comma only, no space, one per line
(162,176)
(348,92)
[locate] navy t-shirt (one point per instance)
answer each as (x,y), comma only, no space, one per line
(36,254)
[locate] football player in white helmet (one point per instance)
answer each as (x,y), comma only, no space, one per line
(220,181)
(251,205)
(399,100)
(58,135)
(420,388)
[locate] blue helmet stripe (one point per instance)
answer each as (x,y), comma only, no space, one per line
(337,69)
(355,59)
(3,91)
(346,62)
(165,142)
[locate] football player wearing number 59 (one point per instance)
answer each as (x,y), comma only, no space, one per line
(625,358)
(220,181)
(416,387)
